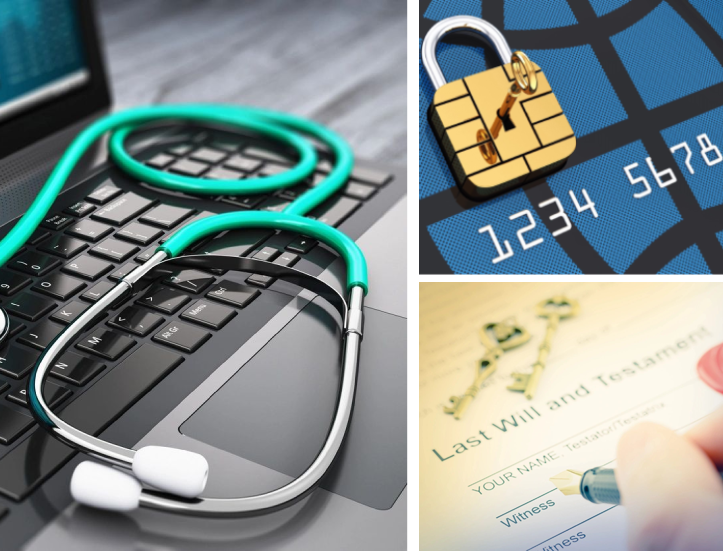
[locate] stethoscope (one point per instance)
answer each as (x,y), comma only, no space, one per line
(172,479)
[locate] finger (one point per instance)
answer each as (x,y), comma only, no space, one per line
(708,436)
(672,492)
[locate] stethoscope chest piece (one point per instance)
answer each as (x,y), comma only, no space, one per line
(4,326)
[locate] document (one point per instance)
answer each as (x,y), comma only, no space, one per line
(629,356)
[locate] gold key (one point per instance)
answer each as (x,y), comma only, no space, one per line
(554,309)
(496,338)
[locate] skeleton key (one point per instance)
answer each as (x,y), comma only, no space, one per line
(554,309)
(496,338)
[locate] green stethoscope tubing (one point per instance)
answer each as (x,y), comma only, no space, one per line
(285,128)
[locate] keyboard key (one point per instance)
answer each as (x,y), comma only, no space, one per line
(57,221)
(246,202)
(76,369)
(293,193)
(370,176)
(4,387)
(359,191)
(11,283)
(182,336)
(13,424)
(233,293)
(274,204)
(106,344)
(37,236)
(285,259)
(208,155)
(80,209)
(188,168)
(163,299)
(194,281)
(199,216)
(243,164)
(97,291)
(227,145)
(91,412)
(114,250)
(266,155)
(58,286)
(211,315)
(180,150)
(123,271)
(267,253)
(220,173)
(139,233)
(160,161)
(34,263)
(123,209)
(138,321)
(15,327)
(16,362)
(54,395)
(335,211)
(87,267)
(146,255)
(70,312)
(41,335)
(89,230)
(236,242)
(63,246)
(166,216)
(29,306)
(104,193)
(301,245)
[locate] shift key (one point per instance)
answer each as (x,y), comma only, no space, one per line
(123,209)
(92,412)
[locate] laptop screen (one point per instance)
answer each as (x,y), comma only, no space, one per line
(41,53)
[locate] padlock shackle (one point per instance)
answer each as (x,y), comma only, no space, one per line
(458,23)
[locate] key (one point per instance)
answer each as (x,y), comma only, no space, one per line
(208,314)
(57,222)
(80,209)
(226,145)
(87,267)
(123,209)
(29,306)
(15,327)
(370,176)
(497,338)
(285,259)
(4,387)
(41,335)
(34,263)
(70,312)
(146,255)
(17,362)
(243,164)
(359,191)
(236,242)
(554,309)
(54,395)
(89,230)
(201,215)
(293,193)
(58,286)
(207,155)
(194,281)
(274,204)
(335,211)
(106,344)
(38,236)
(97,291)
(182,336)
(301,245)
(188,168)
(267,253)
(266,155)
(104,193)
(75,369)
(166,216)
(114,250)
(138,321)
(246,202)
(160,161)
(164,299)
(233,293)
(13,424)
(63,246)
(139,233)
(11,283)
(220,173)
(123,271)
(92,412)
(179,150)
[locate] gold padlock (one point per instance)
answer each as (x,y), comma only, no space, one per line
(500,128)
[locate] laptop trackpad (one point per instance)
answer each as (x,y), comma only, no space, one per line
(277,409)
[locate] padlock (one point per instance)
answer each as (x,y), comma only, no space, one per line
(500,128)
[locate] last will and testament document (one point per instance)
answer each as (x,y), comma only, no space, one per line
(629,356)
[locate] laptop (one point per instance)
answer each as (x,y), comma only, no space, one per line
(247,376)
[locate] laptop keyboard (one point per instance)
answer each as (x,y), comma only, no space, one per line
(82,248)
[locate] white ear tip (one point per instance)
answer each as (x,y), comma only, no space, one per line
(103,487)
(178,472)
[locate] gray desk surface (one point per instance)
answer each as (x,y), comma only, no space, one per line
(340,62)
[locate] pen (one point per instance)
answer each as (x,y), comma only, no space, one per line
(597,485)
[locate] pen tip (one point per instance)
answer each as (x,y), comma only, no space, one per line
(568,482)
